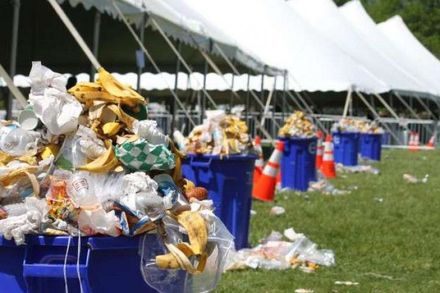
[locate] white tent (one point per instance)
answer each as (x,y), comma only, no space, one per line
(180,22)
(426,64)
(285,40)
(326,18)
(359,19)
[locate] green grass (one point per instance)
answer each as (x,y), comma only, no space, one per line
(388,246)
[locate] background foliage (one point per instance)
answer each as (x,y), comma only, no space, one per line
(421,16)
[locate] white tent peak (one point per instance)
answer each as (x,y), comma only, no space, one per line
(355,13)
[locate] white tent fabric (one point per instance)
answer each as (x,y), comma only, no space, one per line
(326,18)
(426,64)
(284,39)
(179,21)
(164,81)
(358,17)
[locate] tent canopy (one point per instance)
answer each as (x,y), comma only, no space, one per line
(282,38)
(324,16)
(180,22)
(424,62)
(358,17)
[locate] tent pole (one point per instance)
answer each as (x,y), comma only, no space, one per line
(74,32)
(347,103)
(248,102)
(153,63)
(425,107)
(139,63)
(411,110)
(12,88)
(184,63)
(204,96)
(231,97)
(371,108)
(284,104)
(295,101)
(235,71)
(274,109)
(14,44)
(394,114)
(176,84)
(220,73)
(96,31)
(413,113)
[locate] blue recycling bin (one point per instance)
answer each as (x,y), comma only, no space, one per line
(298,164)
(346,148)
(106,264)
(371,146)
(11,266)
(228,180)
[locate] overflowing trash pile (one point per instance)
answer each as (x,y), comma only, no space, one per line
(298,125)
(87,161)
(282,251)
(220,134)
(357,125)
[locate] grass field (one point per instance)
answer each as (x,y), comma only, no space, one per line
(388,245)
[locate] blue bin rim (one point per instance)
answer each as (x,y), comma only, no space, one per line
(233,157)
(371,134)
(297,138)
(346,132)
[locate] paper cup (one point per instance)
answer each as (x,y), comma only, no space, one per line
(28,120)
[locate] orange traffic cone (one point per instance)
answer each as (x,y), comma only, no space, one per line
(259,163)
(319,149)
(328,163)
(265,188)
(431,143)
(414,141)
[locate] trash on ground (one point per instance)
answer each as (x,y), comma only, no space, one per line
(346,283)
(253,212)
(301,253)
(357,169)
(277,211)
(325,187)
(414,180)
(301,290)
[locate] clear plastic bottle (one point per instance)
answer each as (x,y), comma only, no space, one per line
(16,141)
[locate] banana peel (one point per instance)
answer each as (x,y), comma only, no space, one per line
(111,128)
(107,89)
(104,163)
(179,254)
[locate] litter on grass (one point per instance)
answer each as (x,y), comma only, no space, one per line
(357,169)
(274,253)
(414,180)
(277,211)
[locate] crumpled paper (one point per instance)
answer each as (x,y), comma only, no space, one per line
(29,223)
(57,110)
(148,129)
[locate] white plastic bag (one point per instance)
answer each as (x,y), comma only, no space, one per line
(58,110)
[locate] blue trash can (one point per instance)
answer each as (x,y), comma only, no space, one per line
(11,267)
(106,264)
(371,146)
(298,164)
(229,184)
(346,148)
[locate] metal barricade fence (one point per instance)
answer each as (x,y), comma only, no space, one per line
(399,137)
